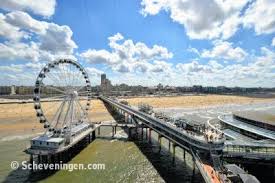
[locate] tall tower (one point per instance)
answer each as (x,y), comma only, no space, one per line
(103,79)
(103,82)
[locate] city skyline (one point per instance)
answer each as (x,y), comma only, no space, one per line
(176,43)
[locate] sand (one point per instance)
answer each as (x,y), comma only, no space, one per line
(20,118)
(195,101)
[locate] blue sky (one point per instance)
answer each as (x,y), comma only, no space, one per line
(176,42)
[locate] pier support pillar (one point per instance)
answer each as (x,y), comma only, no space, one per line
(194,166)
(53,159)
(59,158)
(149,135)
(141,133)
(146,133)
(136,129)
(174,152)
(129,133)
(183,154)
(39,159)
(93,135)
(130,119)
(113,131)
(31,161)
(98,131)
(169,145)
(159,141)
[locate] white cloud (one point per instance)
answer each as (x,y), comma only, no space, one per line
(11,68)
(214,64)
(57,39)
(40,7)
(127,56)
(258,72)
(193,67)
(20,74)
(193,50)
(9,31)
(19,28)
(161,66)
(17,50)
(98,57)
(30,41)
(225,50)
(206,19)
(260,16)
(24,21)
(93,71)
(122,67)
(273,42)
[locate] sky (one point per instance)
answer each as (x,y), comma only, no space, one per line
(142,42)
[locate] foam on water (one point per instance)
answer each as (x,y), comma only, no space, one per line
(18,137)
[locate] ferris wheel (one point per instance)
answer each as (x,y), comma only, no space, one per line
(62,96)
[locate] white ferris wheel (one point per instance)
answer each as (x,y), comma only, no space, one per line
(62,96)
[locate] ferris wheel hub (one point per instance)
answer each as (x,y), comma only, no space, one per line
(75,93)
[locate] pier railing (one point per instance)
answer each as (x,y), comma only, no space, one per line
(250,150)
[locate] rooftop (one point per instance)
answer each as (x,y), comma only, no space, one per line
(267,117)
(46,138)
(247,127)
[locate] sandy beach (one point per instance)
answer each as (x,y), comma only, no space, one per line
(195,100)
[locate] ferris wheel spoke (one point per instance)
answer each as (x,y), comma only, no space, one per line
(55,89)
(62,74)
(76,77)
(48,110)
(80,112)
(59,119)
(84,92)
(54,79)
(69,77)
(77,114)
(57,115)
(84,112)
(70,115)
(80,88)
(73,113)
(53,97)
